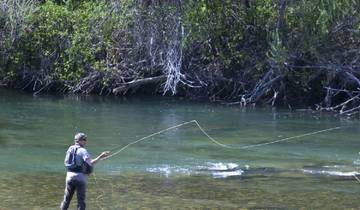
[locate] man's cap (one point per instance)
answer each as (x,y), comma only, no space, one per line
(80,136)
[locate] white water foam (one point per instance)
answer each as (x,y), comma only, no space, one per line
(357,162)
(222,166)
(167,170)
(217,170)
(224,170)
(332,173)
(227,174)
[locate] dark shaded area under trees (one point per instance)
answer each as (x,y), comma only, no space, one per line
(278,52)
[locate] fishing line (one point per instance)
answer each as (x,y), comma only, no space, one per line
(289,138)
(117,151)
(146,137)
(120,149)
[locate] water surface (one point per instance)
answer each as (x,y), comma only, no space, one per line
(180,168)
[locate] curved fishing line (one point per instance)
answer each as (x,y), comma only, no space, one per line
(215,141)
(146,137)
(211,138)
(289,138)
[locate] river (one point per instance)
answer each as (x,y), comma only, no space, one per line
(180,168)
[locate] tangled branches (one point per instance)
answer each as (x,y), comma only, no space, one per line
(281,53)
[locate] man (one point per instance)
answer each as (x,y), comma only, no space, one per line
(78,162)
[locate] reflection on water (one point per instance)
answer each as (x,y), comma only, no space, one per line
(181,168)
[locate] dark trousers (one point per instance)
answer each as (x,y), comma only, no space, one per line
(71,186)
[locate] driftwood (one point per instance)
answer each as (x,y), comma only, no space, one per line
(348,107)
(87,84)
(124,87)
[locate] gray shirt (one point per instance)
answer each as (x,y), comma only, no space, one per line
(82,156)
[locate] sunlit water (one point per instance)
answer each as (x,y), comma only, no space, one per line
(180,168)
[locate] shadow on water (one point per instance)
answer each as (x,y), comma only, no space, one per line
(16,124)
(2,140)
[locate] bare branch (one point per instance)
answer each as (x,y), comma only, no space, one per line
(124,87)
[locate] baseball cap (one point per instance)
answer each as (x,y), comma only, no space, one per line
(80,136)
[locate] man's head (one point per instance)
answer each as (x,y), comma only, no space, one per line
(80,138)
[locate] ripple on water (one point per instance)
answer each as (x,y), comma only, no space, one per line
(342,171)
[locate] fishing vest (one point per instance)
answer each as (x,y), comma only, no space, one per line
(72,165)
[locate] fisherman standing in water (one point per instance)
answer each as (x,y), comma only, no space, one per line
(79,165)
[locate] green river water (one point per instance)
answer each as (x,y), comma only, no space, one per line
(181,168)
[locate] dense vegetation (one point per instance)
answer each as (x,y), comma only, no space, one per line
(296,53)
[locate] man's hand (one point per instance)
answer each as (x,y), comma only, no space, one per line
(100,157)
(105,154)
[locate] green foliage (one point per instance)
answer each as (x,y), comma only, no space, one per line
(310,22)
(13,14)
(51,30)
(83,43)
(65,39)
(225,29)
(277,54)
(94,25)
(262,14)
(215,25)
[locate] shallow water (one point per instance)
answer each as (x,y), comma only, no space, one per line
(180,168)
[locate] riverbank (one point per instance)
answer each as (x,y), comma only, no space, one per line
(282,54)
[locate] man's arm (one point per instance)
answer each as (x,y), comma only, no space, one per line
(95,160)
